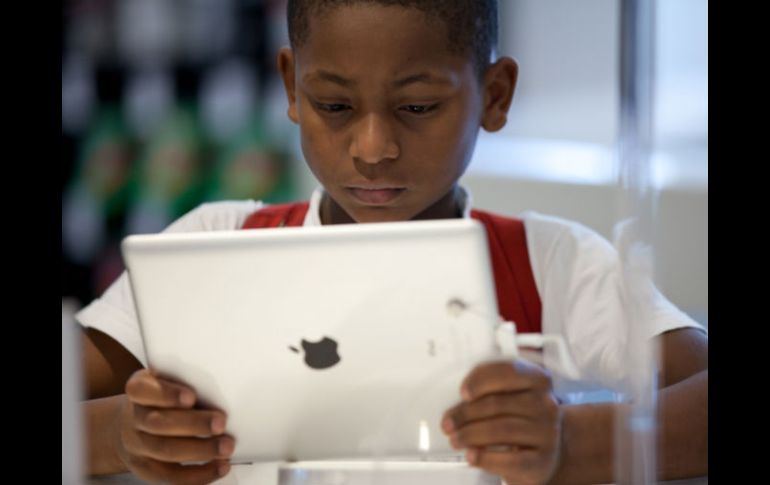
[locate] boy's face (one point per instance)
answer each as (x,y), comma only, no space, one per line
(388,115)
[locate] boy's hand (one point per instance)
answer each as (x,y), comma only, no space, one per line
(509,421)
(158,429)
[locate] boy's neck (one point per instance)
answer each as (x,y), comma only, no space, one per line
(447,207)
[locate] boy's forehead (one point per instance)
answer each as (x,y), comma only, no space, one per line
(364,37)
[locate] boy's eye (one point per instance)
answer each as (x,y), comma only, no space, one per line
(419,109)
(333,107)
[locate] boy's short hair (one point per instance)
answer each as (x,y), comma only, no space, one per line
(471,24)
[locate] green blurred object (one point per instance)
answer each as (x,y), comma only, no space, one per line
(172,167)
(170,173)
(105,163)
(96,198)
(252,167)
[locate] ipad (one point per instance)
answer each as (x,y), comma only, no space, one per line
(344,342)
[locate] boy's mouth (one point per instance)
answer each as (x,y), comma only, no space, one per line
(375,196)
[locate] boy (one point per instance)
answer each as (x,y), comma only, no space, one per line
(389,96)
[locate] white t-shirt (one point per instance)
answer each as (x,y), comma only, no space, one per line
(577,273)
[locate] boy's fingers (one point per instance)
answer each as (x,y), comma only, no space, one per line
(154,471)
(521,404)
(503,376)
(176,450)
(149,390)
(179,422)
(507,431)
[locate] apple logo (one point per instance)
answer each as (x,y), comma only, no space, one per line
(319,355)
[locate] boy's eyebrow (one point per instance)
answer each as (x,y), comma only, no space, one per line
(329,76)
(422,77)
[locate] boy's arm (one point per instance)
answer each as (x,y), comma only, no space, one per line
(588,430)
(107,366)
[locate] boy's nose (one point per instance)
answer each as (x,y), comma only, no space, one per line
(373,140)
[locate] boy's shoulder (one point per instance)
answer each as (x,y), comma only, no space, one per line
(549,233)
(546,225)
(557,226)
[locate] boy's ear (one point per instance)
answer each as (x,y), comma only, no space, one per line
(285,62)
(499,86)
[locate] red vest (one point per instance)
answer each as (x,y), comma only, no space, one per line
(517,296)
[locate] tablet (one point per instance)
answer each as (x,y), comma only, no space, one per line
(345,341)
